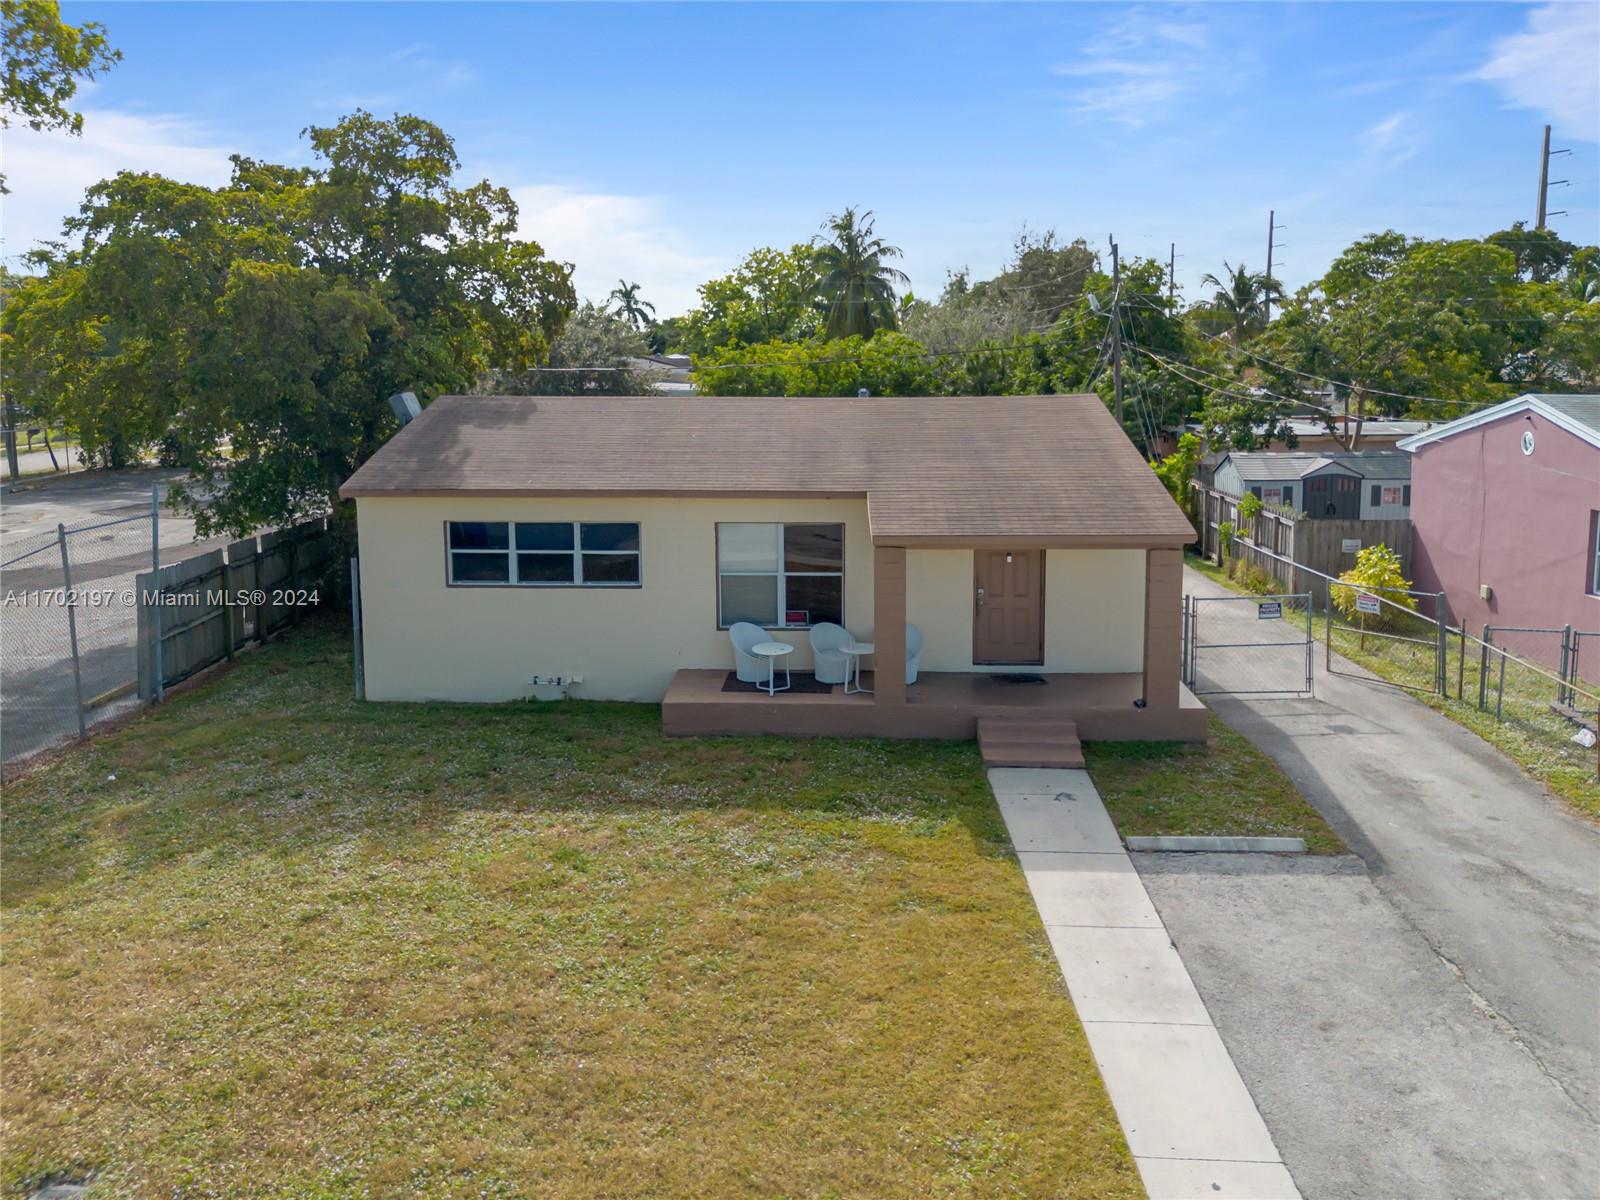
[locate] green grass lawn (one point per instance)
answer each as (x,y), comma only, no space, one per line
(269,941)
(1226,787)
(1529,732)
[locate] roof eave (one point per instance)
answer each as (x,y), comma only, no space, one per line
(1486,416)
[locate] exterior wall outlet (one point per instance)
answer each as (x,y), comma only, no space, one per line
(1485,592)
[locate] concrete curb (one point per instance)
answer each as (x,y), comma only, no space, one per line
(1218,845)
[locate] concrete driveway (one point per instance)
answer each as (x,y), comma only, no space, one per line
(1378,1072)
(1476,881)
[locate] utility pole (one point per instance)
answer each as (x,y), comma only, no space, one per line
(1272,233)
(1544,178)
(1116,327)
(1546,183)
(1172,271)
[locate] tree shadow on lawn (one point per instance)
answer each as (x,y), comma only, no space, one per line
(275,756)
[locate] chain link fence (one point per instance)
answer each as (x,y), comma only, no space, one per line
(88,624)
(67,626)
(1248,644)
(1537,690)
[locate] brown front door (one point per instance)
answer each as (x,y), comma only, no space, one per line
(1008,606)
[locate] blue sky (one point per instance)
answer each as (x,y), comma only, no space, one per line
(660,142)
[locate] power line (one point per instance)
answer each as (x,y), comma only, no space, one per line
(1344,383)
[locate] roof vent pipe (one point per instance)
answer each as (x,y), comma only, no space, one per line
(405,406)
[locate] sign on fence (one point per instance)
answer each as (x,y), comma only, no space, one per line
(1270,610)
(1368,604)
(1350,546)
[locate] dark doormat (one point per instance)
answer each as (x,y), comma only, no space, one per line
(1019,678)
(805,684)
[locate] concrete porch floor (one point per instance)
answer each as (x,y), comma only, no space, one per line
(941,704)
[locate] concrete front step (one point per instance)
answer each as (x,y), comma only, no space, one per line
(1029,741)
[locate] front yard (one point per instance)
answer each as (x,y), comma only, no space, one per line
(270,941)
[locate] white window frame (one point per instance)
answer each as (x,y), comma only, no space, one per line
(1399,496)
(783,576)
(1594,555)
(513,578)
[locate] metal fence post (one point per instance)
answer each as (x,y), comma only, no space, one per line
(72,624)
(1566,657)
(155,579)
(1310,634)
(1441,671)
(1483,672)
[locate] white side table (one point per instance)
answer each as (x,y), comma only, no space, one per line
(772,652)
(853,652)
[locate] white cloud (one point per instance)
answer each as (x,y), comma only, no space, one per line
(1553,66)
(1393,139)
(610,237)
(1137,66)
(48,172)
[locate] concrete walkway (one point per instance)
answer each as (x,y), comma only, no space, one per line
(1190,1121)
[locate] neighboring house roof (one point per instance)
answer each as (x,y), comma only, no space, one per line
(1043,467)
(1579,415)
(1288,466)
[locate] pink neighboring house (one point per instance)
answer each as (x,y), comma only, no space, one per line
(1506,513)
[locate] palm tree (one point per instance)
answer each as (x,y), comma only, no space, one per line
(641,314)
(853,278)
(1242,298)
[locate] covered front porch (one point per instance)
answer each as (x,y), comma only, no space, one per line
(1146,703)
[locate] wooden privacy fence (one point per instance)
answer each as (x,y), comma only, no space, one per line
(211,606)
(1276,542)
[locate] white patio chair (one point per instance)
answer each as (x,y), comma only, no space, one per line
(747,667)
(826,639)
(913,652)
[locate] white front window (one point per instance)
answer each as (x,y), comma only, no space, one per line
(780,576)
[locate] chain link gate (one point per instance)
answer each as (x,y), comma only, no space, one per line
(1401,635)
(1260,645)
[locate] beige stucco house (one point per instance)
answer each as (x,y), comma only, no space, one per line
(611,542)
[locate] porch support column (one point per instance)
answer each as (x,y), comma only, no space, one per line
(1163,626)
(889,624)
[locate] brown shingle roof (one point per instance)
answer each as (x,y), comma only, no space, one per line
(931,467)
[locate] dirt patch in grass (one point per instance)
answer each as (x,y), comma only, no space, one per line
(302,946)
(1226,787)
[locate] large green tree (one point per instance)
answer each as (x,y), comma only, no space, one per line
(45,60)
(255,330)
(770,296)
(597,354)
(1399,326)
(854,277)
